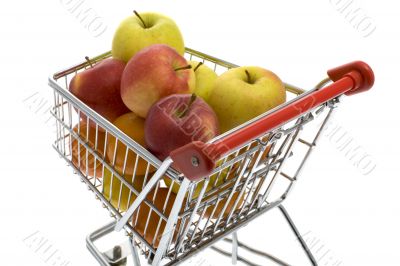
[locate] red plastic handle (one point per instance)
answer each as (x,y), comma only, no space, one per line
(196,160)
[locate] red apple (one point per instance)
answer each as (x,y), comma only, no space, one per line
(99,88)
(154,73)
(178,120)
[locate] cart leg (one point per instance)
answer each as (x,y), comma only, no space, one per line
(150,258)
(93,237)
(298,235)
(135,255)
(116,256)
(234,248)
(237,244)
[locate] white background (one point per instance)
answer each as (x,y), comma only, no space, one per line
(352,216)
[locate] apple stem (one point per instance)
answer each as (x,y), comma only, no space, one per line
(141,19)
(89,61)
(191,101)
(198,65)
(183,68)
(248,76)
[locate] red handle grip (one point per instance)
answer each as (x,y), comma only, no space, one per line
(196,160)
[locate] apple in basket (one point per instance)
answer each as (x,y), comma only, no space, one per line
(177,120)
(243,93)
(99,88)
(142,30)
(83,158)
(205,79)
(155,72)
(126,162)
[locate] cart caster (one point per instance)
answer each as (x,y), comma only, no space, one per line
(117,256)
(117,259)
(150,258)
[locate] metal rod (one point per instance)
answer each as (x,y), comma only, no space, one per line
(96,235)
(152,182)
(258,252)
(298,235)
(135,255)
(234,248)
(170,227)
(245,261)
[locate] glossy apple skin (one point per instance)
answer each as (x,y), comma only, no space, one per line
(131,35)
(117,193)
(148,227)
(83,158)
(133,126)
(150,75)
(205,79)
(235,100)
(165,131)
(99,88)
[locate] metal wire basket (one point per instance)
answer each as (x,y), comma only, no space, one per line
(171,214)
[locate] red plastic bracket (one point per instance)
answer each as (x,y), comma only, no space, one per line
(359,71)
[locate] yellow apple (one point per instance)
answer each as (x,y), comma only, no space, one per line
(118,192)
(141,30)
(205,79)
(215,180)
(243,93)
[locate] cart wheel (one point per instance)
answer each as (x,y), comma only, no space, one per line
(117,260)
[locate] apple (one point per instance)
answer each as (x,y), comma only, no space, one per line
(243,93)
(216,180)
(133,169)
(83,158)
(148,223)
(205,79)
(118,194)
(214,214)
(155,72)
(99,88)
(133,126)
(141,30)
(177,120)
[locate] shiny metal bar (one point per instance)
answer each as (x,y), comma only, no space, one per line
(170,227)
(258,252)
(135,255)
(194,213)
(294,138)
(298,235)
(234,248)
(101,232)
(152,182)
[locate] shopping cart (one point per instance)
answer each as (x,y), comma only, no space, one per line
(210,190)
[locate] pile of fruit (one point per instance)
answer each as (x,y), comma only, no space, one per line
(154,95)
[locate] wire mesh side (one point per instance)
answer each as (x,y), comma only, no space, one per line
(248,181)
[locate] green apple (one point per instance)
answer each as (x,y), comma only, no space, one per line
(205,79)
(243,93)
(141,30)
